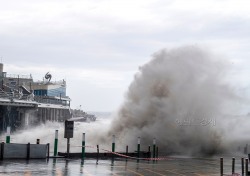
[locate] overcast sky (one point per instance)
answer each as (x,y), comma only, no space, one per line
(98,45)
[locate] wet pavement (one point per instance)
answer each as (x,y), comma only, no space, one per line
(63,167)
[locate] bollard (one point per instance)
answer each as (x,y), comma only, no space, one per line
(37,141)
(154,142)
(2,150)
(221,166)
(83,145)
(156,152)
(233,165)
(47,150)
(138,147)
(113,144)
(127,150)
(56,143)
(97,147)
(28,151)
(149,152)
(242,166)
(246,167)
(8,135)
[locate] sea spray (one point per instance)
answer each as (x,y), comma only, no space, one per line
(46,133)
(178,98)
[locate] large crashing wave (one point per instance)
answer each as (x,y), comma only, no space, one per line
(178,98)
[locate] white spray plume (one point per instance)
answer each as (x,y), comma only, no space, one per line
(177,98)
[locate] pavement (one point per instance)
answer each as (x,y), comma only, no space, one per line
(91,167)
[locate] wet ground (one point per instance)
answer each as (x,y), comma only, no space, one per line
(63,167)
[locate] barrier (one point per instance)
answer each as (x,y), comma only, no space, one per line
(23,151)
(110,154)
(233,168)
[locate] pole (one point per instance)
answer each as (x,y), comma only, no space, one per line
(113,144)
(154,142)
(127,150)
(149,152)
(221,166)
(68,146)
(56,143)
(37,141)
(83,145)
(28,151)
(97,157)
(138,147)
(8,135)
(246,167)
(156,152)
(233,165)
(242,166)
(48,151)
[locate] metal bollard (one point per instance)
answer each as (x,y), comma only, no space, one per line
(242,166)
(56,143)
(83,145)
(221,166)
(48,151)
(97,148)
(233,165)
(246,167)
(8,135)
(156,152)
(138,147)
(149,152)
(154,142)
(37,141)
(113,143)
(28,151)
(2,150)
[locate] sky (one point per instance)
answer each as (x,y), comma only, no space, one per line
(97,46)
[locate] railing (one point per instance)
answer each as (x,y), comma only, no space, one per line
(18,76)
(42,99)
(16,96)
(30,97)
(62,82)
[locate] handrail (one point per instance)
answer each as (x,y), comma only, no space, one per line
(30,97)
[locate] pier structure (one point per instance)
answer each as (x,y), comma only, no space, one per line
(24,102)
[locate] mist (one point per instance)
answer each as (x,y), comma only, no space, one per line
(181,98)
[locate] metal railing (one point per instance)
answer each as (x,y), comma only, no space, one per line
(30,97)
(16,95)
